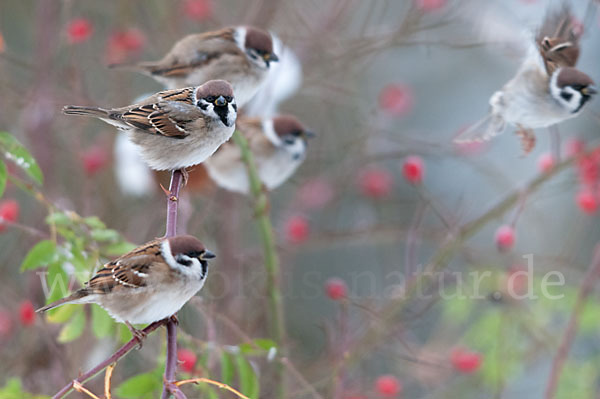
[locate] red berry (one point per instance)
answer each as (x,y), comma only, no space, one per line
(336,289)
(396,99)
(375,183)
(413,169)
(587,202)
(545,162)
(123,42)
(6,324)
(431,5)
(199,10)
(465,361)
(187,359)
(574,147)
(9,212)
(315,193)
(27,313)
(79,30)
(505,238)
(388,385)
(94,159)
(297,229)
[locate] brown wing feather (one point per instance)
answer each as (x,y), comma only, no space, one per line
(558,39)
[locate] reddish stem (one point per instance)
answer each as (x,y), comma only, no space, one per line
(171,361)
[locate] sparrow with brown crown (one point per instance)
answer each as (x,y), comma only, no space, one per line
(279,148)
(240,55)
(547,88)
(174,129)
(148,284)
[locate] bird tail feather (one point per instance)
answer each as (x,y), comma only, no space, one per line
(73,298)
(86,111)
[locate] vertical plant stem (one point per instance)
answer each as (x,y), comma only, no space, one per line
(171,361)
(271,259)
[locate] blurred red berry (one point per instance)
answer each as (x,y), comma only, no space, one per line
(94,159)
(396,99)
(121,43)
(6,323)
(431,5)
(2,46)
(587,202)
(315,193)
(27,313)
(588,168)
(198,10)
(505,238)
(574,147)
(375,182)
(465,361)
(336,288)
(517,280)
(297,229)
(9,212)
(187,359)
(413,169)
(545,162)
(79,30)
(388,385)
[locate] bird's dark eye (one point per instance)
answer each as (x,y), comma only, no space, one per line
(261,52)
(566,95)
(210,99)
(228,99)
(297,133)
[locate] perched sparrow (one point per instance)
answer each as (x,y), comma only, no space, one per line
(241,55)
(174,129)
(547,89)
(278,145)
(148,284)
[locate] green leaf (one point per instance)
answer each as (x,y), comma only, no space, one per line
(139,387)
(257,346)
(57,280)
(249,385)
(59,219)
(104,235)
(101,322)
(74,328)
(14,151)
(119,248)
(40,255)
(227,369)
(14,390)
(62,313)
(94,222)
(3,174)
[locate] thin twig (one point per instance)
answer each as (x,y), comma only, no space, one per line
(107,378)
(212,382)
(80,388)
(587,286)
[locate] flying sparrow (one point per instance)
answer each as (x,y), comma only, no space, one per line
(278,145)
(240,55)
(148,284)
(547,88)
(174,129)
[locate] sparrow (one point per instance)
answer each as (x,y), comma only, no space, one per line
(278,145)
(240,55)
(547,89)
(148,284)
(174,129)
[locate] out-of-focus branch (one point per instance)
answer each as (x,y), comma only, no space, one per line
(376,333)
(587,285)
(271,259)
(112,359)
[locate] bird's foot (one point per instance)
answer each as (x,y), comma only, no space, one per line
(528,140)
(138,335)
(185,175)
(174,319)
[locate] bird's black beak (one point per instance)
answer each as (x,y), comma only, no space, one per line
(272,57)
(589,90)
(220,101)
(207,255)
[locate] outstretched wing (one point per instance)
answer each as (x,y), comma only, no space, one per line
(483,130)
(557,39)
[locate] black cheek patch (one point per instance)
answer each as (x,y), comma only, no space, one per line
(184,262)
(202,105)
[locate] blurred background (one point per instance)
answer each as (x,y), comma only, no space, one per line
(383,197)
